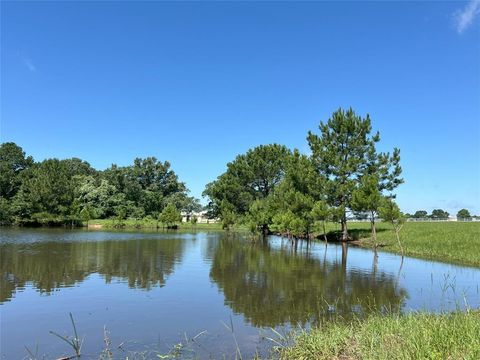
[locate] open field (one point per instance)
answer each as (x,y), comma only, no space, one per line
(413,336)
(456,242)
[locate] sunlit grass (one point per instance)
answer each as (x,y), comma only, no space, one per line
(457,242)
(413,336)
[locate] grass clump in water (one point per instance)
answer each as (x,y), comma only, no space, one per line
(413,336)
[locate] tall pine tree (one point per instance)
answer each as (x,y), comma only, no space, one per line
(344,152)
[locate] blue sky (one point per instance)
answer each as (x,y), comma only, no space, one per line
(199,83)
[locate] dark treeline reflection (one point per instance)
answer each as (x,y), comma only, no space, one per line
(143,263)
(270,283)
(274,286)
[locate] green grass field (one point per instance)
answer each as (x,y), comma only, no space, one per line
(413,336)
(456,242)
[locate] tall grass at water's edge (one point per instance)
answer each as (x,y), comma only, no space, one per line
(412,336)
(378,336)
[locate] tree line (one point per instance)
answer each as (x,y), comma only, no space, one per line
(269,188)
(69,191)
(273,188)
(440,214)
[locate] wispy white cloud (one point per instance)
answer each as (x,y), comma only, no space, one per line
(29,64)
(466,16)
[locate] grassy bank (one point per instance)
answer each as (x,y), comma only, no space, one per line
(456,242)
(414,336)
(130,224)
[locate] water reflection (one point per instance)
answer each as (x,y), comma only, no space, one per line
(193,281)
(273,286)
(142,263)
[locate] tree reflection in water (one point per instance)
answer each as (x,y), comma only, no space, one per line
(270,285)
(276,286)
(143,263)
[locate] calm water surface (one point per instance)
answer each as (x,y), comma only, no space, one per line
(151,290)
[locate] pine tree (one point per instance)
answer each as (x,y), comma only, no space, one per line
(344,152)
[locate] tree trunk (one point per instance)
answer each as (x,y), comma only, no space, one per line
(397,281)
(344,256)
(345,236)
(265,230)
(375,264)
(397,231)
(374,231)
(325,233)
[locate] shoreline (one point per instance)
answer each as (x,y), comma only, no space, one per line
(449,242)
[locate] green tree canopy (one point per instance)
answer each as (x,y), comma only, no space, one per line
(420,214)
(439,214)
(323,213)
(463,214)
(251,176)
(170,215)
(99,195)
(368,197)
(260,215)
(344,152)
(149,184)
(390,212)
(57,191)
(293,197)
(12,162)
(48,190)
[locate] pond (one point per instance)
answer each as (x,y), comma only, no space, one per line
(153,290)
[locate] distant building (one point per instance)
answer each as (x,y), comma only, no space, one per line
(202,217)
